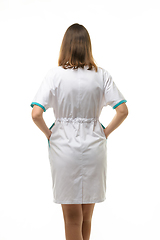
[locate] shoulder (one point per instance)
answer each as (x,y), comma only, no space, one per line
(107,78)
(53,74)
(103,71)
(52,71)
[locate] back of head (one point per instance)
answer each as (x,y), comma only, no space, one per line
(76,49)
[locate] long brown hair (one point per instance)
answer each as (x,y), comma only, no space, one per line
(76,49)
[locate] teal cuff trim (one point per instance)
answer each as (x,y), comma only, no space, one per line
(123,101)
(102,126)
(35,103)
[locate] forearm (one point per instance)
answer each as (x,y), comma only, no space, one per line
(39,121)
(116,121)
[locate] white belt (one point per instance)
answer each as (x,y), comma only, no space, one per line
(76,119)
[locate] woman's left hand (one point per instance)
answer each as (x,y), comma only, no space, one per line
(49,134)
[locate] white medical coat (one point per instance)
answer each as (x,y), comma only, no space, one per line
(78,146)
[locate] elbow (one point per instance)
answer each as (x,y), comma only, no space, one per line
(35,115)
(122,110)
(126,112)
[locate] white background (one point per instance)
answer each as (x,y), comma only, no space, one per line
(126,42)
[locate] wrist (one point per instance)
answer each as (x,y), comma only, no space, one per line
(48,134)
(106,132)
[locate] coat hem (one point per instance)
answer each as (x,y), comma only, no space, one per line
(79,202)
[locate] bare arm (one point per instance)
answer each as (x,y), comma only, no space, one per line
(121,114)
(37,116)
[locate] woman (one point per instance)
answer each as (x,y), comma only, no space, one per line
(77,90)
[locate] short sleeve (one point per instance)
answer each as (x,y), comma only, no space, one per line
(112,95)
(45,93)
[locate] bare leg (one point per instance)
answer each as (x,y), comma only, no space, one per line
(73,218)
(87,210)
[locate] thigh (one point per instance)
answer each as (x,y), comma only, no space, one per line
(87,210)
(72,212)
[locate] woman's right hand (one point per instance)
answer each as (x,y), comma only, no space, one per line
(49,134)
(105,132)
(121,114)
